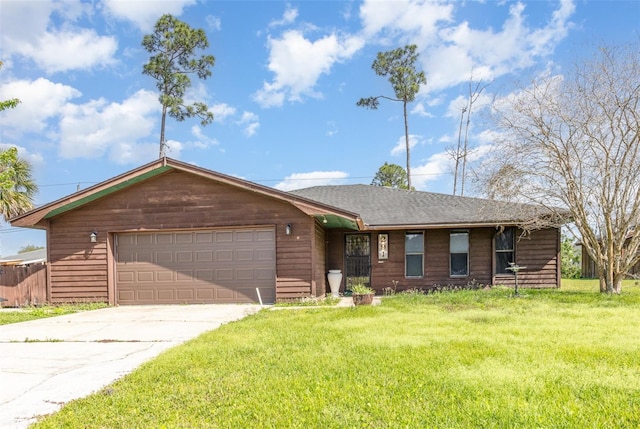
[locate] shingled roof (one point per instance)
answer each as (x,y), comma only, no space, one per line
(388,207)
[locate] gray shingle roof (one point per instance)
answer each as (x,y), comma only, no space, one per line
(31,257)
(381,206)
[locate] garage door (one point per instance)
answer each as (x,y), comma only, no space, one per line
(184,267)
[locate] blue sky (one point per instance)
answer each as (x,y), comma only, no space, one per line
(284,87)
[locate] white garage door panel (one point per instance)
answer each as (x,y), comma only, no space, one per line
(217,266)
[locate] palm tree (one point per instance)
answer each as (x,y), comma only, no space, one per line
(17,187)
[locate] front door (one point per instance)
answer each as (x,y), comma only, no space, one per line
(357,260)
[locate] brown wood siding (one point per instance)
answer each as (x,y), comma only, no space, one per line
(436,260)
(176,200)
(481,255)
(335,250)
(78,270)
(539,253)
(319,258)
(334,253)
(384,272)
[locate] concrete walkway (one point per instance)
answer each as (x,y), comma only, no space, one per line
(47,362)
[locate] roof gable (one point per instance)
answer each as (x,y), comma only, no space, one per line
(37,217)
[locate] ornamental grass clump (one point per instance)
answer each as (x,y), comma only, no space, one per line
(360,289)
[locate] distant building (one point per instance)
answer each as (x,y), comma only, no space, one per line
(27,258)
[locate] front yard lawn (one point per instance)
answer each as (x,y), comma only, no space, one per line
(475,359)
(15,315)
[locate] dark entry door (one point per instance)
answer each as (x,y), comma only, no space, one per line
(358,260)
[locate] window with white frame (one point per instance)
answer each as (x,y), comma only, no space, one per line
(414,254)
(459,253)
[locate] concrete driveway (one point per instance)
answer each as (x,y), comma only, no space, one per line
(48,362)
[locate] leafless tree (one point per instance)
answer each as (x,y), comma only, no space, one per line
(572,141)
(462,151)
(456,153)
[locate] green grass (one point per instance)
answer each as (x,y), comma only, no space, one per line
(11,315)
(310,302)
(475,359)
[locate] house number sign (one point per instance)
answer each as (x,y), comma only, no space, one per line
(383,246)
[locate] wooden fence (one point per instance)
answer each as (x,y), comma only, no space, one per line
(22,286)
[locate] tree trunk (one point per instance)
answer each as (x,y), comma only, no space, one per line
(164,117)
(457,154)
(617,284)
(611,282)
(603,285)
(406,140)
(465,148)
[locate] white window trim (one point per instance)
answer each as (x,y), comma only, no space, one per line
(407,254)
(468,252)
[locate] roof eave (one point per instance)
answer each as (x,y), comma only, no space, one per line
(448,225)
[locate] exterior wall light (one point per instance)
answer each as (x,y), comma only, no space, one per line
(287,229)
(93,237)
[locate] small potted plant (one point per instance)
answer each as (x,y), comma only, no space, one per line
(362,295)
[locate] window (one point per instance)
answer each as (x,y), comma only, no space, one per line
(459,253)
(414,254)
(505,250)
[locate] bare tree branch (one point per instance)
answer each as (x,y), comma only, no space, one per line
(573,141)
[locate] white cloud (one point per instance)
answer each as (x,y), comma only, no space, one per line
(250,123)
(441,164)
(436,166)
(40,100)
(332,128)
(203,141)
(213,22)
(543,40)
(28,30)
(298,63)
(221,111)
(456,105)
(124,152)
(401,145)
(87,130)
(315,178)
(144,14)
(416,20)
(289,16)
(420,110)
(270,95)
(445,139)
(251,129)
(23,21)
(64,50)
(24,153)
(198,92)
(491,53)
(173,148)
(450,51)
(92,129)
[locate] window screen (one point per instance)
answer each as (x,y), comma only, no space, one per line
(414,254)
